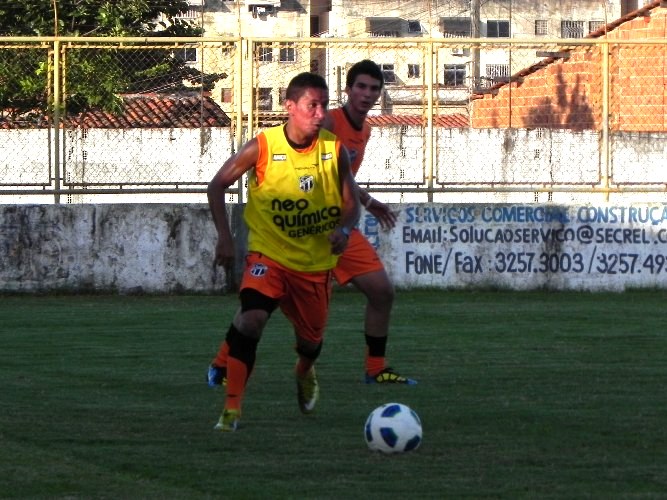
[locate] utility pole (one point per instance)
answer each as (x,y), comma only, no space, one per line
(475,33)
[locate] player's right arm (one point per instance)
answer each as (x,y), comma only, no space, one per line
(231,171)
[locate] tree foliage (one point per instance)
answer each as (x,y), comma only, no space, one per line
(94,76)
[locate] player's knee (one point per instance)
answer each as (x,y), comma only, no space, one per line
(309,350)
(251,323)
(382,297)
(255,312)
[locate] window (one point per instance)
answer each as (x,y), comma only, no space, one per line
(594,25)
(287,52)
(227,95)
(264,99)
(455,75)
(265,54)
(497,72)
(413,71)
(282,95)
(226,49)
(455,27)
(388,73)
(414,26)
(187,54)
(541,27)
(572,29)
(628,6)
(497,29)
(261,11)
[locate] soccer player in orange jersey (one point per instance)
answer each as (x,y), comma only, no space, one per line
(360,264)
(302,205)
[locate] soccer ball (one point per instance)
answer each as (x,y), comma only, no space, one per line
(393,428)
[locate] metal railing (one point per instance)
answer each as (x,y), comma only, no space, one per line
(460,118)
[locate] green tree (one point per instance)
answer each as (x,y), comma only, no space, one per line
(94,76)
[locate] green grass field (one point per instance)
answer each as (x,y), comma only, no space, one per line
(521,395)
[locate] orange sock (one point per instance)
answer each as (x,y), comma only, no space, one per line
(220,359)
(374,364)
(237,375)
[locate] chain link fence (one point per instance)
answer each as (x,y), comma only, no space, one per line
(460,119)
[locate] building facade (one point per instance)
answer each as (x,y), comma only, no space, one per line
(459,71)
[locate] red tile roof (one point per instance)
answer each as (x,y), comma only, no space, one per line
(155,111)
(140,111)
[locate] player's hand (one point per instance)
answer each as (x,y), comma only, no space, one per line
(338,240)
(224,255)
(383,214)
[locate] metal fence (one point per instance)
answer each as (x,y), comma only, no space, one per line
(460,119)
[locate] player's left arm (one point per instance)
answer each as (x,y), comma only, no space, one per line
(379,210)
(351,209)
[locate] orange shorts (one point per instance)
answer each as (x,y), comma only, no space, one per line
(303,297)
(358,258)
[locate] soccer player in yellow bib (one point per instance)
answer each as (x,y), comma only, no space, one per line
(302,205)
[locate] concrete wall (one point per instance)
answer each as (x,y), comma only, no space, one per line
(156,248)
(124,248)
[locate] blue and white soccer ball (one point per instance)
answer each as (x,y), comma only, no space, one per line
(393,428)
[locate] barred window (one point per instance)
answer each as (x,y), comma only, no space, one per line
(497,72)
(413,71)
(265,54)
(287,52)
(188,14)
(541,27)
(594,25)
(386,34)
(572,29)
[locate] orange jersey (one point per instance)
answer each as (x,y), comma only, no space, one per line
(354,139)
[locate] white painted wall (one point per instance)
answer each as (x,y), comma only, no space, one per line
(395,158)
(156,248)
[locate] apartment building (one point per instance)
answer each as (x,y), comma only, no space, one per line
(457,71)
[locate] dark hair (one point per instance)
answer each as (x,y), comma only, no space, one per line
(365,67)
(302,82)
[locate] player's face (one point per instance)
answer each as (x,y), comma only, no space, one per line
(364,93)
(308,112)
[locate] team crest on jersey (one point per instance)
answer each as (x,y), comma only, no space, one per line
(327,156)
(306,183)
(258,270)
(279,157)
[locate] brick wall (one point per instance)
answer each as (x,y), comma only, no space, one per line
(567,93)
